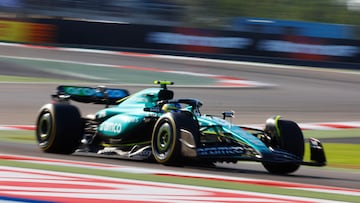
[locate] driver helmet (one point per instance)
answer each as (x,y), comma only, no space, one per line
(171,107)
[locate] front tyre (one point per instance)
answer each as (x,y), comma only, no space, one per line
(285,135)
(59,128)
(165,144)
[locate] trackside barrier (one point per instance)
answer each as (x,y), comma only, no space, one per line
(274,48)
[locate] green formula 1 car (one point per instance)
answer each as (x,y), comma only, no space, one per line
(152,125)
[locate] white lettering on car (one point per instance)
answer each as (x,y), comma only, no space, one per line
(221,151)
(111,127)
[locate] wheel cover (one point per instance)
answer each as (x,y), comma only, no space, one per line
(164,140)
(44,129)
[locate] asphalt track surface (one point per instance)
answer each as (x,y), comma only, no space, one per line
(303,95)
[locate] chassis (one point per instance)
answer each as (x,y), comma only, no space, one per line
(135,126)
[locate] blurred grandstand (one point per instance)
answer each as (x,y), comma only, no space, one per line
(238,15)
(127,11)
(291,31)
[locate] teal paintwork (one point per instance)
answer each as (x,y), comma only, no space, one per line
(134,126)
(130,113)
(151,124)
(237,133)
(118,125)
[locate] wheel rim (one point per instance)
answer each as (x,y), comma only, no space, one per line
(44,128)
(164,141)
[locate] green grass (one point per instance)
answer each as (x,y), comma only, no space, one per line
(343,155)
(23,136)
(319,134)
(339,155)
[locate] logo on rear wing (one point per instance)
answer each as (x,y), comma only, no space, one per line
(97,95)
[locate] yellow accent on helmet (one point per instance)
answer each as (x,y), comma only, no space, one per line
(171,107)
(163,82)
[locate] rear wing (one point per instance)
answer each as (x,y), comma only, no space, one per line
(97,95)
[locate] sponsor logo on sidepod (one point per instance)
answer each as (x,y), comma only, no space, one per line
(111,127)
(220,151)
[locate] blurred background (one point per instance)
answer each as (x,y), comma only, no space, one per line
(314,28)
(228,14)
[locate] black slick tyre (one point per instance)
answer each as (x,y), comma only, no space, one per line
(290,140)
(59,128)
(166,147)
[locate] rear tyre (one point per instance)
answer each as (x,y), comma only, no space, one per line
(59,128)
(165,144)
(289,138)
